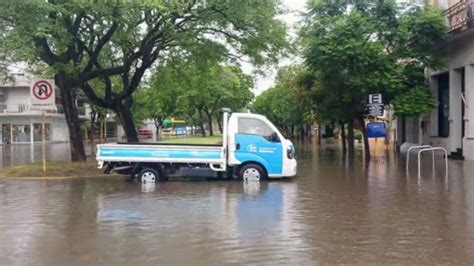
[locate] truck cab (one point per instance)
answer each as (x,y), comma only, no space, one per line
(253,139)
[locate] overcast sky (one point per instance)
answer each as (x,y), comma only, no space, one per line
(295,7)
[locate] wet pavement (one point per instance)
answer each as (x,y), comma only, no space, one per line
(331,212)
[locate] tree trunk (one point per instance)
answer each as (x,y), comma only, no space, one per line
(209,122)
(201,124)
(350,138)
(158,122)
(404,129)
(343,137)
(302,132)
(203,129)
(366,140)
(219,123)
(68,100)
(91,136)
(319,134)
(122,109)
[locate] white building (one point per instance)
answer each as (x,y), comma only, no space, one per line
(20,123)
(451,124)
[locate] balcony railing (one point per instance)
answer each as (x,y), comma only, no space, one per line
(460,15)
(80,110)
(20,108)
(14,108)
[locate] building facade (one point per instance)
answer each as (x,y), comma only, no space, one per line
(451,124)
(20,123)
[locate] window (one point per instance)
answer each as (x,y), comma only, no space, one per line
(255,127)
(443,107)
(21,133)
(37,132)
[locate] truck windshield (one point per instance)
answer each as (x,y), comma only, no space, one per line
(255,126)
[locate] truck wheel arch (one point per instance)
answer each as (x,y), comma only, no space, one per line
(265,177)
(158,167)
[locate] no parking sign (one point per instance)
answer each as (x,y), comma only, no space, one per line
(42,95)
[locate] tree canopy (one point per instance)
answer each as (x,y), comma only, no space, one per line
(357,48)
(288,102)
(116,42)
(194,90)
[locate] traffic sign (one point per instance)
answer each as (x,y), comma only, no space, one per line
(375,98)
(375,105)
(375,109)
(42,90)
(42,95)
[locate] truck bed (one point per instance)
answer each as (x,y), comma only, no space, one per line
(157,152)
(170,144)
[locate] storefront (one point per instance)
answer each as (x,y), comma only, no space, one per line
(26,128)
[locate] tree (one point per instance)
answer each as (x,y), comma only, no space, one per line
(280,107)
(158,100)
(195,88)
(189,27)
(357,48)
(211,88)
(288,104)
(116,42)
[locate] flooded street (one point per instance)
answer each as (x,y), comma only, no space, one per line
(329,213)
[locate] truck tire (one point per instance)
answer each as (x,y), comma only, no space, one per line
(252,171)
(150,175)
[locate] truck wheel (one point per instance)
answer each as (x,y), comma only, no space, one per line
(252,172)
(148,175)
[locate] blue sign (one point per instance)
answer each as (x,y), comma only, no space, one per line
(376,130)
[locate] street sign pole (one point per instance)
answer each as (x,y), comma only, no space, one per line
(43,140)
(101,133)
(42,98)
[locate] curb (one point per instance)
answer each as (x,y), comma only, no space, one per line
(53,177)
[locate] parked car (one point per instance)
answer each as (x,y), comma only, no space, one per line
(145,134)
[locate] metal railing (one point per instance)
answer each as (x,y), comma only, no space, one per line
(14,108)
(425,148)
(433,149)
(414,148)
(460,15)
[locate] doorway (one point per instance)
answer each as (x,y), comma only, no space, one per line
(6,133)
(443,107)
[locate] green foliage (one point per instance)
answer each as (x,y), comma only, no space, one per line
(288,103)
(188,88)
(158,99)
(68,35)
(371,47)
(105,47)
(414,102)
(277,105)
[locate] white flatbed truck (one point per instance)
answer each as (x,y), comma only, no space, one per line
(252,147)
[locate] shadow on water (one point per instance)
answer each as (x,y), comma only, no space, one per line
(331,212)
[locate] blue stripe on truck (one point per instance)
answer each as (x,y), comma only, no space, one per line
(160,153)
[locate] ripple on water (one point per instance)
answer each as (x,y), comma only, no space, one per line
(330,213)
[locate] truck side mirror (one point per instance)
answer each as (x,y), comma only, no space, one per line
(274,137)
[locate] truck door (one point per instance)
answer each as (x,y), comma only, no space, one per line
(257,141)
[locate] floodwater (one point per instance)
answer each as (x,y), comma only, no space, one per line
(330,213)
(13,154)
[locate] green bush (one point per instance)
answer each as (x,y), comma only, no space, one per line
(357,135)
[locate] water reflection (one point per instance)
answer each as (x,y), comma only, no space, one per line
(332,212)
(14,154)
(148,187)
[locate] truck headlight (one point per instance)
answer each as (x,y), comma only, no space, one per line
(290,152)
